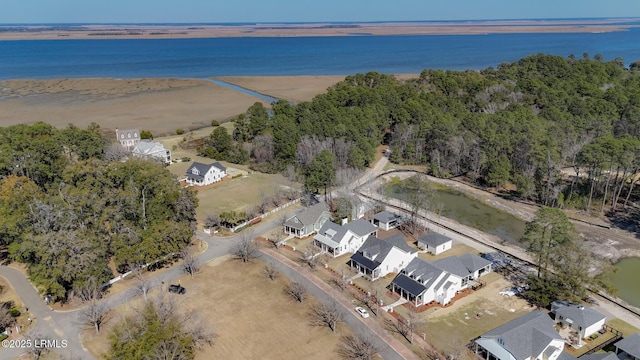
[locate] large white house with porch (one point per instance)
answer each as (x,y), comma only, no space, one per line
(377,258)
(200,174)
(152,150)
(337,239)
(423,282)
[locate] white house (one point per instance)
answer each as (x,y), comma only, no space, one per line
(152,150)
(422,282)
(386,220)
(583,320)
(128,137)
(377,258)
(529,337)
(337,240)
(434,243)
(200,174)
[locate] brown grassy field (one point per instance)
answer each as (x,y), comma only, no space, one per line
(252,316)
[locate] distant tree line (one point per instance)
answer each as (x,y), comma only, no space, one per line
(66,211)
(519,123)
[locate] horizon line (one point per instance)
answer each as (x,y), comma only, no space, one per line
(312,22)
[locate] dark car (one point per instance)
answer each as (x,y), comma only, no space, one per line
(177,289)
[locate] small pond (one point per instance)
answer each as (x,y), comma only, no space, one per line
(626,280)
(456,205)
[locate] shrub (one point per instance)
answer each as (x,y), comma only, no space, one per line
(14,312)
(179,131)
(215,122)
(185,159)
(4,337)
(146,134)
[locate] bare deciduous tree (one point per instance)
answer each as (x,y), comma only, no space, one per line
(270,272)
(310,256)
(115,152)
(327,315)
(143,285)
(354,347)
(190,263)
(6,320)
(246,250)
(212,221)
(297,291)
(34,338)
(94,312)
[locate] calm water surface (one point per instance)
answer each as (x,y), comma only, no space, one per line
(626,280)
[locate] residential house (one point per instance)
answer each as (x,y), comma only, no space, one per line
(308,221)
(200,174)
(629,347)
(377,258)
(341,239)
(386,220)
(152,150)
(583,320)
(434,243)
(128,138)
(422,282)
(529,337)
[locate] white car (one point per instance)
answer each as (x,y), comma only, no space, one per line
(364,313)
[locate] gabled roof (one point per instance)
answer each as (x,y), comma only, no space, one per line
(311,214)
(375,250)
(630,345)
(434,239)
(127,134)
(422,269)
(525,336)
(474,262)
(330,234)
(386,216)
(148,147)
(203,169)
(360,227)
(581,315)
(453,265)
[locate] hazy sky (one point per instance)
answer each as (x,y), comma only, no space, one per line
(136,11)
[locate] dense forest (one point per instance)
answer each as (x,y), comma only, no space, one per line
(69,207)
(512,127)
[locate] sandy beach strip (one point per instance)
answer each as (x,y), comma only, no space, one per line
(159,105)
(317,29)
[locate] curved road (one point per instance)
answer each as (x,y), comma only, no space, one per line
(66,325)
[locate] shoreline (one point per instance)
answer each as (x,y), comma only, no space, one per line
(181,31)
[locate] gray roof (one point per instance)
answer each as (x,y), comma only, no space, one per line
(203,169)
(127,134)
(148,147)
(332,230)
(422,269)
(309,216)
(605,356)
(433,239)
(525,336)
(379,249)
(409,285)
(361,227)
(453,265)
(630,345)
(386,216)
(474,262)
(581,315)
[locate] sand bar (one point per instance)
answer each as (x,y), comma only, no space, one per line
(158,105)
(316,29)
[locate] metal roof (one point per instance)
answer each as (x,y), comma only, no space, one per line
(409,285)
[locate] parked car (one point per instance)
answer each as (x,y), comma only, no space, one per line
(364,313)
(177,289)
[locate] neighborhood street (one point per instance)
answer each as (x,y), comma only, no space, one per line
(66,325)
